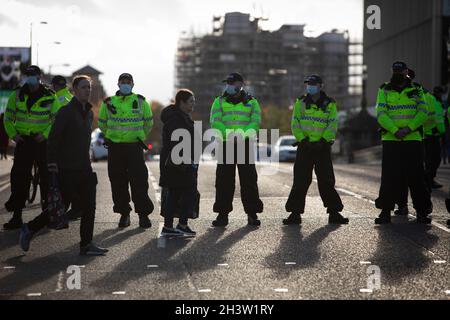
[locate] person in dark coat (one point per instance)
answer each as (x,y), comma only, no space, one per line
(4,140)
(178,177)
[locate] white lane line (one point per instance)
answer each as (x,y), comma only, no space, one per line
(5,187)
(119,293)
(439,261)
(365,262)
(366,290)
(204,290)
(281,290)
(152,266)
(9,268)
(222,264)
(447,291)
(36,294)
(290,263)
(59,285)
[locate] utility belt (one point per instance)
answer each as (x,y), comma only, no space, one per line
(383,131)
(108,143)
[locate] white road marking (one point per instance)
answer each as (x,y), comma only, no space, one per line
(204,290)
(222,264)
(9,268)
(37,294)
(439,261)
(118,293)
(59,285)
(152,266)
(290,263)
(366,290)
(365,262)
(281,290)
(447,291)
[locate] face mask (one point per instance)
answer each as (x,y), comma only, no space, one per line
(125,89)
(312,90)
(32,80)
(231,90)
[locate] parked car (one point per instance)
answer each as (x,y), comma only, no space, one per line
(98,150)
(284,148)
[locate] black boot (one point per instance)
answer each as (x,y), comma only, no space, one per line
(384,217)
(124,221)
(144,222)
(221,220)
(423,219)
(294,219)
(337,218)
(252,220)
(401,211)
(15,222)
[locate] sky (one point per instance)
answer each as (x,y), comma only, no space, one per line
(140,36)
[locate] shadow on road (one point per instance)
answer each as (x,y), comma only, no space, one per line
(305,252)
(399,256)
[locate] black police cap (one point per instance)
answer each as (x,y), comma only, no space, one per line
(313,79)
(233,77)
(33,71)
(59,80)
(125,76)
(399,66)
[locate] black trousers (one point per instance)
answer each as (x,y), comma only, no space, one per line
(25,154)
(319,159)
(126,167)
(78,188)
(226,178)
(432,146)
(403,159)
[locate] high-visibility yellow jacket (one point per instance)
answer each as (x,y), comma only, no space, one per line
(396,110)
(242,118)
(125,119)
(19,119)
(315,120)
(64,96)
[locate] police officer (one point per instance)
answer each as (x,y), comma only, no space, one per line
(401,112)
(236,116)
(28,119)
(62,92)
(314,125)
(126,120)
(433,129)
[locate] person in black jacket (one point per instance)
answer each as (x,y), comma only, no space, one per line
(68,158)
(178,179)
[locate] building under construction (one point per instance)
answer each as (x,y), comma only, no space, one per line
(274,63)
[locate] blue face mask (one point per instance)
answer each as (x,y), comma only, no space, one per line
(125,89)
(231,90)
(312,90)
(32,80)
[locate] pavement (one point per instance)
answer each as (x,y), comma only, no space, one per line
(359,261)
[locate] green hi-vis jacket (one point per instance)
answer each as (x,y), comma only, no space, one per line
(435,124)
(396,110)
(19,119)
(315,120)
(125,119)
(64,96)
(242,118)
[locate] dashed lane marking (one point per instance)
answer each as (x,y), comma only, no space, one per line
(290,263)
(204,290)
(35,294)
(365,262)
(9,268)
(119,293)
(281,290)
(152,266)
(439,261)
(366,290)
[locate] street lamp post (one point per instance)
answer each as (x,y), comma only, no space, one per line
(31,42)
